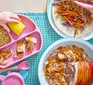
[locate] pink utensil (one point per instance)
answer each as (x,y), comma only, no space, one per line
(85,5)
(12,79)
(22,66)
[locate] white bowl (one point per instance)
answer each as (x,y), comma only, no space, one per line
(88,48)
(52,23)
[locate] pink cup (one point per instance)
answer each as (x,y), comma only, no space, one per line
(12,79)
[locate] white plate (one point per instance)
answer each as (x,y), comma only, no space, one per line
(50,18)
(88,48)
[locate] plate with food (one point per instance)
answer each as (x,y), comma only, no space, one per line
(23,41)
(69,19)
(67,62)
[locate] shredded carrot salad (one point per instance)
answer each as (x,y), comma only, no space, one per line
(73,15)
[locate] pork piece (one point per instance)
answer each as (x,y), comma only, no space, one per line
(69,72)
(30,43)
(20,49)
(4,55)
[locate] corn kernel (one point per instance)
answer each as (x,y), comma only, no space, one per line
(16,27)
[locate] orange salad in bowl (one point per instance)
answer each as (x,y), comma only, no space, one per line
(72,19)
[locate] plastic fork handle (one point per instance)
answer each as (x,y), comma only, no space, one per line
(8,69)
(2,78)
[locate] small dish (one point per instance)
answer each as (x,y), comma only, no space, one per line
(30,30)
(54,26)
(23,73)
(88,49)
(12,78)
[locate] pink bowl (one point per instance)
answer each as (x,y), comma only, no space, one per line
(12,79)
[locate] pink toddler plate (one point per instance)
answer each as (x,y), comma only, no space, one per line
(12,79)
(30,29)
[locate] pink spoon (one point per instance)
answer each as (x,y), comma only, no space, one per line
(84,5)
(12,79)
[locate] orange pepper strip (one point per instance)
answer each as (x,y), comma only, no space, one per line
(68,20)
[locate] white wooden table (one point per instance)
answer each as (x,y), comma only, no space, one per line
(29,6)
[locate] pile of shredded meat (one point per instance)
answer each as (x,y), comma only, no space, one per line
(59,67)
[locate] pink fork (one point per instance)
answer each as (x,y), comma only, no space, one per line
(22,66)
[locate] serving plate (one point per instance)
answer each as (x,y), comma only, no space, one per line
(30,29)
(88,49)
(52,23)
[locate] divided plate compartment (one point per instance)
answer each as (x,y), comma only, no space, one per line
(30,29)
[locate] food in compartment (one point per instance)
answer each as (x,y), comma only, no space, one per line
(4,36)
(25,45)
(68,65)
(20,49)
(30,43)
(77,21)
(4,55)
(17,28)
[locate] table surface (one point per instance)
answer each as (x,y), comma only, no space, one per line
(42,23)
(31,6)
(38,7)
(49,37)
